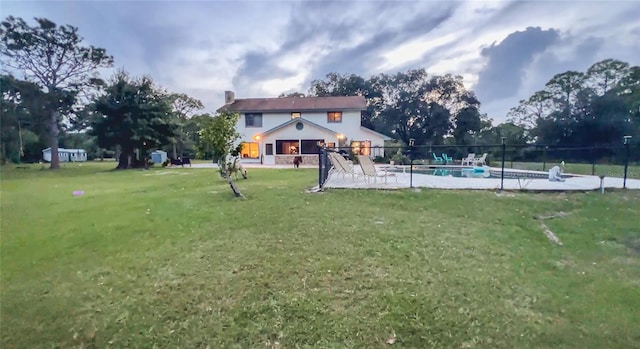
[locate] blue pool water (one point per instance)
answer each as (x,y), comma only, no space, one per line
(467,172)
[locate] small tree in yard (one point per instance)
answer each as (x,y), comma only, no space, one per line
(220,136)
(52,57)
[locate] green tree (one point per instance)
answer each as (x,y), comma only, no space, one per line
(52,56)
(23,120)
(335,84)
(133,114)
(563,89)
(468,123)
(183,108)
(606,75)
(220,136)
(527,113)
(578,109)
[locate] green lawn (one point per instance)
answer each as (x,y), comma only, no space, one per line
(167,258)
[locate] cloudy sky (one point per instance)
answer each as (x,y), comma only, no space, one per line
(505,50)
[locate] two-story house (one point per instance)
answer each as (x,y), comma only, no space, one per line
(275,130)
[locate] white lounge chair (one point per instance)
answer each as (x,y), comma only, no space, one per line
(369,170)
(481,160)
(342,165)
(468,160)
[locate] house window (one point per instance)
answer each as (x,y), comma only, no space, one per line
(287,147)
(361,147)
(268,150)
(334,116)
(250,150)
(310,146)
(296,115)
(253,120)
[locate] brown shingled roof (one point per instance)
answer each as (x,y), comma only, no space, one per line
(296,104)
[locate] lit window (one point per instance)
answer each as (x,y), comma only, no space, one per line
(361,147)
(250,150)
(334,116)
(296,115)
(288,146)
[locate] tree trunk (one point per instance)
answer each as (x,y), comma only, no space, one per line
(226,174)
(235,190)
(175,151)
(53,134)
(125,161)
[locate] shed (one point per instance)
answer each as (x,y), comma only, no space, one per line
(158,156)
(66,155)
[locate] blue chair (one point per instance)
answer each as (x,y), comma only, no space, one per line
(437,159)
(446,158)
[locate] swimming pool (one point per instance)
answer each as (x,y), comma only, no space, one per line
(475,172)
(458,172)
(480,172)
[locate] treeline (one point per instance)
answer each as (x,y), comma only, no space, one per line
(595,108)
(62,101)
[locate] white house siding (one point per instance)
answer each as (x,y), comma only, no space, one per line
(349,128)
(292,133)
(350,122)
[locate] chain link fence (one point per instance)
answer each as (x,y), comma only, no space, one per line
(604,160)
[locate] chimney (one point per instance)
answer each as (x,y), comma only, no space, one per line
(229,97)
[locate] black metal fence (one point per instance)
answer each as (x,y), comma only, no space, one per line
(620,160)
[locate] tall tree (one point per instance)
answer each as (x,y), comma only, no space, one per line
(133,114)
(52,57)
(468,123)
(526,114)
(335,84)
(407,111)
(563,90)
(605,75)
(449,91)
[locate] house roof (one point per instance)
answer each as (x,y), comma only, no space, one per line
(296,120)
(294,104)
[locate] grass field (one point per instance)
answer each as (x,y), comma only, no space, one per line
(167,258)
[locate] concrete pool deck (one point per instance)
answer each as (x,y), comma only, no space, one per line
(578,182)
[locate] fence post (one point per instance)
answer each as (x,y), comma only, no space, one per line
(320,167)
(504,147)
(626,161)
(411,143)
(593,161)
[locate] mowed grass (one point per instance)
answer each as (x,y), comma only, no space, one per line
(167,258)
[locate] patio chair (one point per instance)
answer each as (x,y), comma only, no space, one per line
(447,159)
(343,166)
(437,159)
(369,170)
(481,160)
(468,160)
